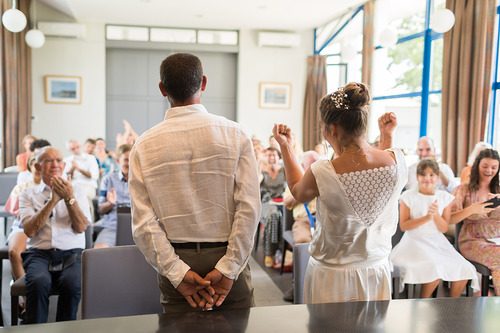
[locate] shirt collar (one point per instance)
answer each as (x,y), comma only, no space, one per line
(121,176)
(193,108)
(40,188)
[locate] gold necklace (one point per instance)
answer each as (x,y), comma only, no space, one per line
(356,152)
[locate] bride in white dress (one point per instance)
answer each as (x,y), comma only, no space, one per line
(357,207)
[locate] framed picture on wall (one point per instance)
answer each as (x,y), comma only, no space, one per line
(275,95)
(63,89)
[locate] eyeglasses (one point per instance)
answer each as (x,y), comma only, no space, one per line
(52,160)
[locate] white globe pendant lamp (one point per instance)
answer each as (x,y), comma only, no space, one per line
(13,19)
(34,38)
(388,38)
(442,20)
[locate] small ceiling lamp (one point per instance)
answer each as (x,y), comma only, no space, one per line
(348,52)
(14,20)
(34,38)
(442,20)
(388,38)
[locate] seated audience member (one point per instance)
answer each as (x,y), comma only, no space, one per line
(54,215)
(83,170)
(114,192)
(464,176)
(17,239)
(424,255)
(272,186)
(89,146)
(301,228)
(480,222)
(104,158)
(22,158)
(426,149)
(35,146)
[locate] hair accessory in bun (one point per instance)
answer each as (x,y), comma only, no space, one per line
(339,98)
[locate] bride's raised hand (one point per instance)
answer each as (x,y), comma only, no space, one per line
(283,135)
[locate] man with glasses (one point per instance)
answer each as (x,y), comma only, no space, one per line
(54,215)
(83,169)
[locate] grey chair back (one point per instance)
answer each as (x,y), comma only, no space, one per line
(7,182)
(300,259)
(118,281)
(124,227)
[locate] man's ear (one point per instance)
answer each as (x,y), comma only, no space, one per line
(38,167)
(204,83)
(162,89)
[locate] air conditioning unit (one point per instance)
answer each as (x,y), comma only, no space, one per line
(61,29)
(278,39)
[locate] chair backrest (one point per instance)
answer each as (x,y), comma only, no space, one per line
(7,182)
(124,227)
(458,227)
(300,259)
(287,219)
(118,281)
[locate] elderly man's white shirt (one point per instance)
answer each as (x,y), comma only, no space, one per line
(193,178)
(445,168)
(85,162)
(57,232)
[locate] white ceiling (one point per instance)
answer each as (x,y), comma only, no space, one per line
(294,15)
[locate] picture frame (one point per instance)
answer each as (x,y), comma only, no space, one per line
(275,95)
(63,89)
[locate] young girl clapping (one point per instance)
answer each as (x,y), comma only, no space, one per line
(424,255)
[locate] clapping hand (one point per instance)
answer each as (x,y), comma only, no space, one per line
(433,209)
(61,188)
(111,196)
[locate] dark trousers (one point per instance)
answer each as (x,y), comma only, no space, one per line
(203,262)
(40,281)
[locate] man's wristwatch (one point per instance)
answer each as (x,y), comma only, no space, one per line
(70,201)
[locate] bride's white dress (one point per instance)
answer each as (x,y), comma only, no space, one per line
(357,214)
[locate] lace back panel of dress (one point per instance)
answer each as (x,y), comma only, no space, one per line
(369,191)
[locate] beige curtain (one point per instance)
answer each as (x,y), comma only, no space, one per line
(315,90)
(15,86)
(368,46)
(467,60)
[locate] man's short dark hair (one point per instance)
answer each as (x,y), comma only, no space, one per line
(181,75)
(40,143)
(91,141)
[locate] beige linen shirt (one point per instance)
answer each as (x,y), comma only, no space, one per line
(193,178)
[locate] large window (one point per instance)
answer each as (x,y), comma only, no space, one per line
(406,78)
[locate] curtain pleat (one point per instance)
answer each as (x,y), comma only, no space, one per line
(315,90)
(467,61)
(368,45)
(15,86)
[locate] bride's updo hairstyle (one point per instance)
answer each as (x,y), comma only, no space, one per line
(347,108)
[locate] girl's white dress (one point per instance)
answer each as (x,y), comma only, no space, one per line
(357,214)
(424,254)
